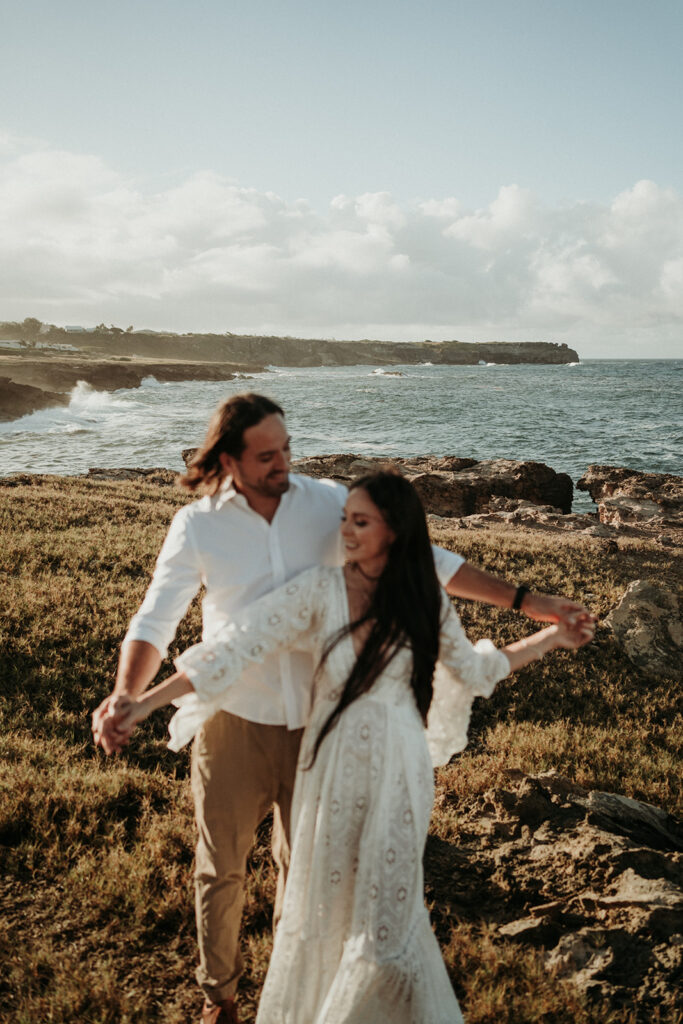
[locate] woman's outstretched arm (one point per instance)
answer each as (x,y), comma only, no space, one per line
(129,711)
(565,634)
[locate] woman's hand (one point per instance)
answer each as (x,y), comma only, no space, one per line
(126,712)
(575,632)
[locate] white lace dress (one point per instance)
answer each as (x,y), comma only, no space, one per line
(354,945)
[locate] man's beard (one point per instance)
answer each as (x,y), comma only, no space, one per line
(273,488)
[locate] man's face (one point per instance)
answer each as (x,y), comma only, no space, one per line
(263,467)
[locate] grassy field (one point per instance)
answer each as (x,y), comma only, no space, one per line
(97,919)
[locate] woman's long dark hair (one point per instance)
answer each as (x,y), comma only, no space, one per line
(405,608)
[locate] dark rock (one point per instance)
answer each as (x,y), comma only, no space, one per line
(453,487)
(18,400)
(643,823)
(599,960)
(63,373)
(607,481)
(593,878)
(157,475)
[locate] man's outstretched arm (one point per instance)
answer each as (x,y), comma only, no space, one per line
(476,585)
(139,663)
(176,579)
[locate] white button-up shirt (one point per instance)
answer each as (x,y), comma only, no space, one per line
(237,555)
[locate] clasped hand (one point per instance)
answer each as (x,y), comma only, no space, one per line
(575,631)
(113,722)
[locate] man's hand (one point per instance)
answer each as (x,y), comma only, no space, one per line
(108,728)
(548,608)
(138,665)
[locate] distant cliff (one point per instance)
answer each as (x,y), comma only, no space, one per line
(277,351)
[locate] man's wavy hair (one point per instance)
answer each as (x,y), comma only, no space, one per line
(225,434)
(405,608)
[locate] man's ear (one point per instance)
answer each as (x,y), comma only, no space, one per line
(227,463)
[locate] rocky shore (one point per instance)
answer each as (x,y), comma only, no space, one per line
(463,494)
(28,385)
(473,494)
(109,358)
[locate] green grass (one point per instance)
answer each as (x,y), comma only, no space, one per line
(96,854)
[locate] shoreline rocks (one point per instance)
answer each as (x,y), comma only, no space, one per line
(468,494)
(630,497)
(593,879)
(31,384)
(17,400)
(452,487)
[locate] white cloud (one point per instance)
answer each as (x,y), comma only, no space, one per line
(79,243)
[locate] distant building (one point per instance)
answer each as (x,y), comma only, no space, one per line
(74,329)
(56,347)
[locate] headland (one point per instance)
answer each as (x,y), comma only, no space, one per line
(53,359)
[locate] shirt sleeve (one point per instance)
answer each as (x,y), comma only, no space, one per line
(177,578)
(285,617)
(464,671)
(446,563)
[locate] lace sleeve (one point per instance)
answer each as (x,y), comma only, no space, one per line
(464,671)
(286,617)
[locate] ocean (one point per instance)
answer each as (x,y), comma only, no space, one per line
(615,412)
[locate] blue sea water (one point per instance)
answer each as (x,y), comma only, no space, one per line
(615,412)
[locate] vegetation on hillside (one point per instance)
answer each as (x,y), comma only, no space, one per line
(286,351)
(97,923)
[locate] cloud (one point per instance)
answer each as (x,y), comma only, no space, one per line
(79,243)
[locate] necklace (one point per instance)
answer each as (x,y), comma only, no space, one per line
(371,579)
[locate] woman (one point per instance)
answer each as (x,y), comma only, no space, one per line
(354,944)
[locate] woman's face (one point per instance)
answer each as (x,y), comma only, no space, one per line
(365,534)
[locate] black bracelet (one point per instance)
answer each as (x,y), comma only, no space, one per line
(520,594)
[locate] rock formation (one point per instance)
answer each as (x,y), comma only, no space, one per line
(43,382)
(647,623)
(110,374)
(627,496)
(591,878)
(452,487)
(157,475)
(21,399)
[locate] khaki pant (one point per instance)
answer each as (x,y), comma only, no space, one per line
(239,770)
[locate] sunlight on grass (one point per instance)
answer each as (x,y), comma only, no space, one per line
(97,854)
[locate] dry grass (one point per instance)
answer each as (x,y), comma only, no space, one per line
(96,854)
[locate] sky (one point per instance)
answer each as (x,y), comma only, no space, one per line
(475,169)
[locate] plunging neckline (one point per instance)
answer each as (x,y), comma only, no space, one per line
(347,605)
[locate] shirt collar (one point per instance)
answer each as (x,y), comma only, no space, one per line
(227,492)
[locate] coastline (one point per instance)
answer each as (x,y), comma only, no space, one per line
(467,494)
(28,384)
(110,358)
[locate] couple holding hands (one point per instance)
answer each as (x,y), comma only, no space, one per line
(332,676)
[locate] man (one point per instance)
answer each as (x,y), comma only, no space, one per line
(256,528)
